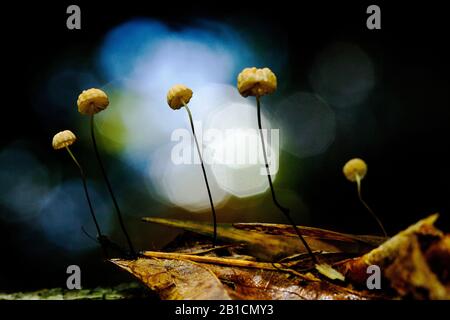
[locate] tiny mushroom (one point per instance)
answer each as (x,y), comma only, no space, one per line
(259,82)
(256,82)
(91,102)
(355,170)
(179,96)
(63,139)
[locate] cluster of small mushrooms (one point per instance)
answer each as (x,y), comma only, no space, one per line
(250,82)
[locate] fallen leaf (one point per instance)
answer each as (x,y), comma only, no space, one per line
(180,278)
(410,275)
(414,263)
(404,264)
(438,257)
(256,284)
(175,279)
(275,245)
(317,233)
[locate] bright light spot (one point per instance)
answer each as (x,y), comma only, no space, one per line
(150,58)
(308,124)
(211,98)
(238,123)
(144,58)
(343,75)
(183,185)
(127,44)
(181,60)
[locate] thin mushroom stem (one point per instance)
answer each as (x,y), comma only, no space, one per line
(91,209)
(204,175)
(284,210)
(108,184)
(358,184)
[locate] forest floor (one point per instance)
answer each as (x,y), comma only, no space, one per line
(132,290)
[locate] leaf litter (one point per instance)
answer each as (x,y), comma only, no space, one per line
(266,261)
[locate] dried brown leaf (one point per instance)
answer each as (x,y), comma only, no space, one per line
(257,284)
(410,275)
(175,279)
(179,278)
(414,263)
(317,233)
(279,242)
(404,264)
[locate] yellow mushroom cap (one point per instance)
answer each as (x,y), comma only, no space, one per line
(355,167)
(63,139)
(256,82)
(92,101)
(178,95)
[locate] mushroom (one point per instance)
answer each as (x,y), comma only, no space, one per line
(63,140)
(91,102)
(259,82)
(179,96)
(355,170)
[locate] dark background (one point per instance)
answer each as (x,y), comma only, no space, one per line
(411,104)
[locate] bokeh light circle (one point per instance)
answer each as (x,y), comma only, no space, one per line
(308,124)
(343,74)
(237,147)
